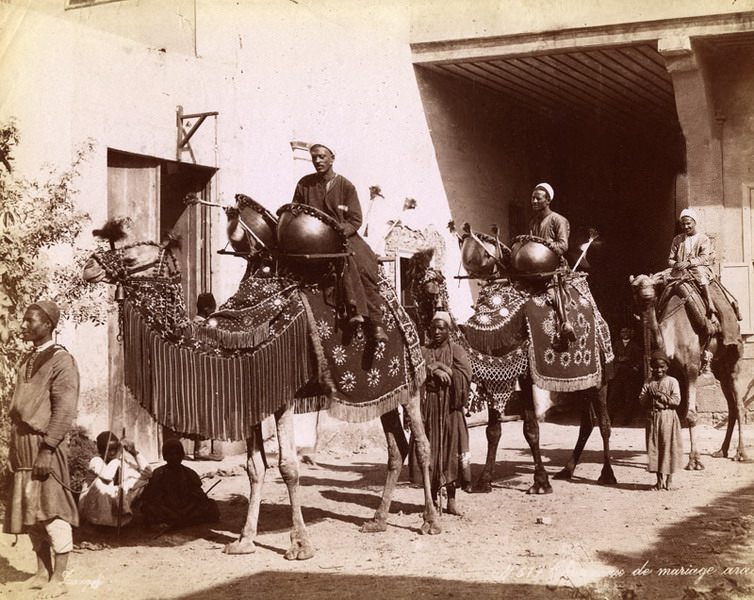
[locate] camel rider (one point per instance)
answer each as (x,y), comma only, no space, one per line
(691,252)
(334,195)
(553,227)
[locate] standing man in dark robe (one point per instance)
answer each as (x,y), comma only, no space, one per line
(444,397)
(42,411)
(334,195)
(623,389)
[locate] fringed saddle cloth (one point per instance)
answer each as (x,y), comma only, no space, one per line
(360,379)
(560,366)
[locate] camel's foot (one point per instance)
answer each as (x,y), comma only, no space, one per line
(242,545)
(482,486)
(299,550)
(695,463)
(742,456)
(374,526)
(564,474)
(539,488)
(431,527)
(607,477)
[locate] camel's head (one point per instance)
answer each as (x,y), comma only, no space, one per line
(643,289)
(140,259)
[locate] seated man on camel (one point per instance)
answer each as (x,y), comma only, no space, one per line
(691,258)
(334,195)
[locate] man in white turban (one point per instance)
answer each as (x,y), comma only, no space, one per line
(691,252)
(545,222)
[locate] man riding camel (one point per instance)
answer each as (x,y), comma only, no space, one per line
(334,195)
(691,252)
(555,229)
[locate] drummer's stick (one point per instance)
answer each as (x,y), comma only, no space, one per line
(593,235)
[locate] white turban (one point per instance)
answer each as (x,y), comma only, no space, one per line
(548,188)
(690,213)
(442,315)
(326,147)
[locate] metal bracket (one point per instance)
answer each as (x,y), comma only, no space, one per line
(185,136)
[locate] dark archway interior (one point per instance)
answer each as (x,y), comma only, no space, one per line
(599,126)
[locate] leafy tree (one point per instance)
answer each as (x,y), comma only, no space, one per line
(39,221)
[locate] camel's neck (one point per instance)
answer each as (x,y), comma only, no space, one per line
(653,337)
(160,301)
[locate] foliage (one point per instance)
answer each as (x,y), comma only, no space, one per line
(39,222)
(81,449)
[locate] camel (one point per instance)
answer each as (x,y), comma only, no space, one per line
(429,290)
(148,276)
(673,332)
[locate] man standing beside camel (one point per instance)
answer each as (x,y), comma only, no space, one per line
(42,411)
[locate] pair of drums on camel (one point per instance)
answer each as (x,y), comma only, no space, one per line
(484,257)
(298,229)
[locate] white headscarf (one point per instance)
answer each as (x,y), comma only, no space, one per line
(548,188)
(690,213)
(442,315)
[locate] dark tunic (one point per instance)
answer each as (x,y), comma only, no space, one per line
(443,415)
(554,228)
(174,496)
(43,409)
(341,202)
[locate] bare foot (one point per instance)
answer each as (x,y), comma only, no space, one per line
(54,589)
(36,581)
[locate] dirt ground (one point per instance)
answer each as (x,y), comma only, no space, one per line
(595,542)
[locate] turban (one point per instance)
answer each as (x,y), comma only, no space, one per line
(442,315)
(690,213)
(50,309)
(546,187)
(660,355)
(313,146)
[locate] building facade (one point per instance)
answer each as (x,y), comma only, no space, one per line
(631,111)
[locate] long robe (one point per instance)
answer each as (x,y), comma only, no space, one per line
(341,202)
(663,434)
(42,411)
(443,415)
(99,501)
(697,251)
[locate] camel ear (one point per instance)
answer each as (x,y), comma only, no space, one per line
(631,279)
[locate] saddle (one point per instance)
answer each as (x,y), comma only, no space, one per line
(694,304)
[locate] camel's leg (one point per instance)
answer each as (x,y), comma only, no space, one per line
(301,547)
(397,450)
(494,433)
(531,433)
(599,399)
(692,372)
(255,468)
(727,374)
(585,430)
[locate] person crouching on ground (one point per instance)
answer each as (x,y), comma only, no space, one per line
(174,497)
(100,501)
(664,445)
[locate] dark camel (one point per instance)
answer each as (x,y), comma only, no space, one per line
(429,289)
(138,262)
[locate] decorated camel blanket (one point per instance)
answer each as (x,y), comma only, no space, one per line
(560,366)
(269,343)
(362,380)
